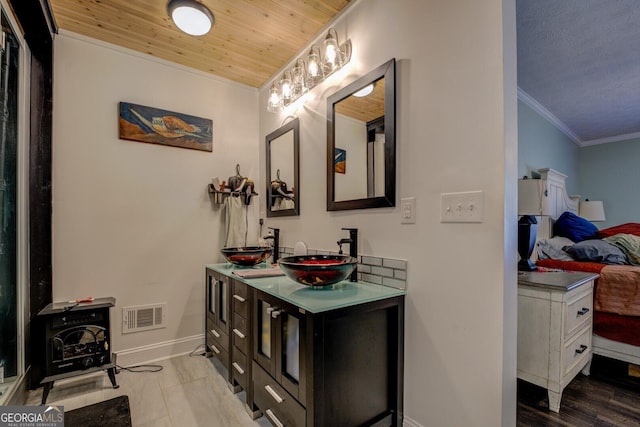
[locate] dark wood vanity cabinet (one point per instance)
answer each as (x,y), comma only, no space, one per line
(218,316)
(336,368)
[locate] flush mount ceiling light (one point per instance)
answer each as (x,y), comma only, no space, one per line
(190,16)
(306,74)
(365,91)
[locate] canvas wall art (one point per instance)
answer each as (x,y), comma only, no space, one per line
(340,160)
(156,126)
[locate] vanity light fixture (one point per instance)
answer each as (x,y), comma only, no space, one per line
(190,16)
(309,71)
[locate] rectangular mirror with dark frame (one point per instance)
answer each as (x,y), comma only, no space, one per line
(283,181)
(361,142)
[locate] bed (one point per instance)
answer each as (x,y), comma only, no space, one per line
(616,327)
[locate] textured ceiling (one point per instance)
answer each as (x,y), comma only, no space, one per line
(580,59)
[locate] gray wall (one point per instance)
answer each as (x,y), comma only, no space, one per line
(542,145)
(610,172)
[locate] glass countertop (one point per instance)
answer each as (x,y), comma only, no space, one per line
(312,299)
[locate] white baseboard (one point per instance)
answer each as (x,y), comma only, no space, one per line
(408,422)
(158,351)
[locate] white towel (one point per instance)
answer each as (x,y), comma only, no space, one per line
(235,222)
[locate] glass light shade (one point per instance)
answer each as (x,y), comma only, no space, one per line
(298,79)
(275,103)
(592,210)
(332,55)
(285,86)
(314,69)
(190,16)
(533,197)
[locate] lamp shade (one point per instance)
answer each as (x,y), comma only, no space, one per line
(533,197)
(592,210)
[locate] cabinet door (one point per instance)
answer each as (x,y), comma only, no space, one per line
(218,301)
(290,366)
(211,296)
(264,331)
(279,342)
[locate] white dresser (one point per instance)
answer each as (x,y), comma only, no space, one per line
(555,313)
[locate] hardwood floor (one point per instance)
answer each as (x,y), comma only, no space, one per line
(609,397)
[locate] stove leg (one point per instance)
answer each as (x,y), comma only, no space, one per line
(112,376)
(45,391)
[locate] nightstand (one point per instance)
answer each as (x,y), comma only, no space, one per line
(555,314)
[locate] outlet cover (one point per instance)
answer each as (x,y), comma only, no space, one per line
(462,207)
(408,210)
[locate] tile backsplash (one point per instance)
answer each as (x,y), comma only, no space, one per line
(389,272)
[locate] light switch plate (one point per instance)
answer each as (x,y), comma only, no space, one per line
(408,210)
(462,207)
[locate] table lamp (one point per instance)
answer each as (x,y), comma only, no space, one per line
(533,200)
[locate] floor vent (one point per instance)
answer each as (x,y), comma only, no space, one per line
(143,317)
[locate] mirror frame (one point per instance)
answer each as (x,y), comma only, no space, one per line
(388,72)
(295,126)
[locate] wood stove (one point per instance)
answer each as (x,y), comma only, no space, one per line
(77,340)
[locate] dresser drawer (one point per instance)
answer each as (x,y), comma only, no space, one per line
(274,402)
(239,370)
(579,313)
(577,350)
(240,297)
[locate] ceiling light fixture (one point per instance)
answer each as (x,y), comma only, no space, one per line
(190,16)
(309,71)
(365,91)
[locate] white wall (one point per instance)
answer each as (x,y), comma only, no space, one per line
(456,121)
(134,220)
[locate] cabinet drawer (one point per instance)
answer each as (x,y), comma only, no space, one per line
(579,312)
(240,333)
(218,335)
(277,405)
(240,297)
(217,351)
(577,351)
(239,368)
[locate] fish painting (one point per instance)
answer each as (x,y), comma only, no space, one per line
(156,126)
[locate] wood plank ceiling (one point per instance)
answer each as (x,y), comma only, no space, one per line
(249,42)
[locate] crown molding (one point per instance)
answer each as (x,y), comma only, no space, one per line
(538,108)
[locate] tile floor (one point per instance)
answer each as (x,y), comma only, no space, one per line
(188,391)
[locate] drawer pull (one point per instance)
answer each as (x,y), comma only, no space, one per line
(582,312)
(273,417)
(215,333)
(581,349)
(273,394)
(238,333)
(239,298)
(238,368)
(216,351)
(275,313)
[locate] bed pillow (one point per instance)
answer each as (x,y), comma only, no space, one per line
(573,227)
(597,251)
(553,248)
